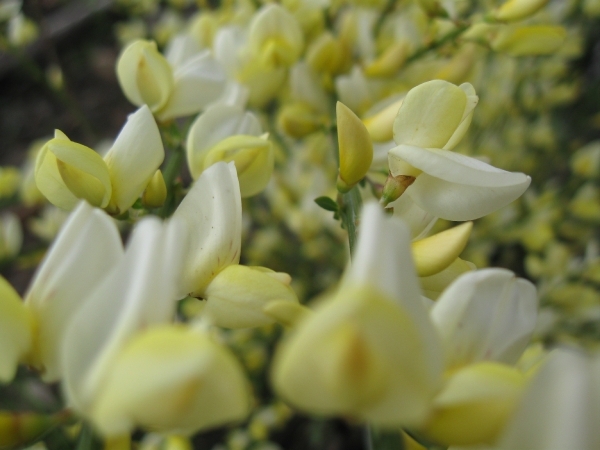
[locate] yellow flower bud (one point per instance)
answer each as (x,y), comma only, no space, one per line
(298,120)
(66,171)
(145,75)
(529,40)
(254,160)
(173,380)
(237,295)
(514,10)
(16,331)
(390,61)
(435,253)
(381,125)
(475,404)
(355,148)
(156,192)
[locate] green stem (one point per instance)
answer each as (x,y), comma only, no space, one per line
(170,173)
(388,8)
(87,440)
(350,205)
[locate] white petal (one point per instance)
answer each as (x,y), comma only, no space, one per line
(486,315)
(418,220)
(559,409)
(383,259)
(212,210)
(180,49)
(456,168)
(215,124)
(306,87)
(460,202)
(137,293)
(86,249)
(234,94)
(200,81)
(226,46)
(134,158)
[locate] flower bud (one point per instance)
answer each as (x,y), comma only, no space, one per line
(66,171)
(514,10)
(156,192)
(237,295)
(355,148)
(529,40)
(390,61)
(10,178)
(328,55)
(254,160)
(145,75)
(394,187)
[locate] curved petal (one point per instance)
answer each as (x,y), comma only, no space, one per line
(215,124)
(559,408)
(382,260)
(418,220)
(472,100)
(456,168)
(212,210)
(50,183)
(459,202)
(86,249)
(134,158)
(173,380)
(180,49)
(485,315)
(435,253)
(200,81)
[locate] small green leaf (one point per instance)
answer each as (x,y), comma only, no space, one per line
(327,203)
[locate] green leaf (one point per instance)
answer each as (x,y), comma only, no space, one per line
(327,203)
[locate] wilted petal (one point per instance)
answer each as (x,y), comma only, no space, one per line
(134,158)
(212,210)
(486,315)
(86,249)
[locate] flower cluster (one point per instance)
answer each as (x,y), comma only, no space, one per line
(287,191)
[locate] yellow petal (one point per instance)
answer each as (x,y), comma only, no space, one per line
(237,295)
(475,404)
(50,183)
(174,380)
(430,114)
(254,160)
(145,75)
(285,312)
(81,169)
(156,192)
(381,125)
(433,254)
